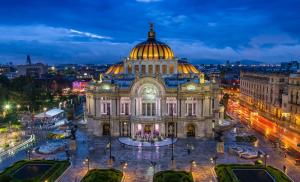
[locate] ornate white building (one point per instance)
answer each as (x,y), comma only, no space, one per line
(152,93)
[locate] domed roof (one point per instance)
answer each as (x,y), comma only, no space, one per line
(151,49)
(183,67)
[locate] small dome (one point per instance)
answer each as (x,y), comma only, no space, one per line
(115,69)
(151,49)
(186,68)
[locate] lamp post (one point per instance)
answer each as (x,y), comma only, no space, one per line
(265,156)
(18,107)
(172,137)
(87,162)
(45,109)
(123,165)
(110,156)
(192,164)
(214,160)
(28,153)
(6,108)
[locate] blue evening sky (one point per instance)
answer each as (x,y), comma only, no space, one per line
(104,31)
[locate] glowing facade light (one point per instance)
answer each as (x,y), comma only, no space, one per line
(7,106)
(157,127)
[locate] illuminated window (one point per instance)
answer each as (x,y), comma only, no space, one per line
(144,69)
(171,70)
(149,96)
(105,105)
(171,106)
(129,68)
(190,107)
(157,69)
(136,68)
(164,69)
(150,69)
(148,109)
(125,106)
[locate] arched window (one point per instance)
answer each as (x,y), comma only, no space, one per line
(129,68)
(143,69)
(149,96)
(150,69)
(171,68)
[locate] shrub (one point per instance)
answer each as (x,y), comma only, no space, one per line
(174,176)
(50,175)
(225,173)
(249,138)
(103,175)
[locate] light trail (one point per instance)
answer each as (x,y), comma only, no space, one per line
(268,128)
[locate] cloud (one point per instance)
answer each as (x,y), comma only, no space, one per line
(87,34)
(43,33)
(275,39)
(198,50)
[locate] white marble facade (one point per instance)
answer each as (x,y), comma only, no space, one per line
(145,96)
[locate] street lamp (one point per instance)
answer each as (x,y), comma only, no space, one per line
(87,162)
(45,109)
(192,164)
(214,160)
(28,153)
(123,165)
(18,107)
(6,108)
(172,137)
(265,156)
(110,156)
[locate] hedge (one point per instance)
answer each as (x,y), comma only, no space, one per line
(250,138)
(226,174)
(174,176)
(50,175)
(103,175)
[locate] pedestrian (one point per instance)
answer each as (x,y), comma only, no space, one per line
(284,168)
(189,151)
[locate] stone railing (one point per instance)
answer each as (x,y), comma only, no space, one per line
(15,149)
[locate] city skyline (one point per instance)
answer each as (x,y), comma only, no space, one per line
(106,31)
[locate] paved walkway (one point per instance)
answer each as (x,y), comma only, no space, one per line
(139,159)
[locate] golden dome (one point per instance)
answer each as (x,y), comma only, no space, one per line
(115,69)
(186,68)
(151,49)
(183,67)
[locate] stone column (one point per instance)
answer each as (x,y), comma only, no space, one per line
(183,108)
(181,129)
(206,106)
(163,106)
(160,68)
(147,69)
(98,106)
(132,129)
